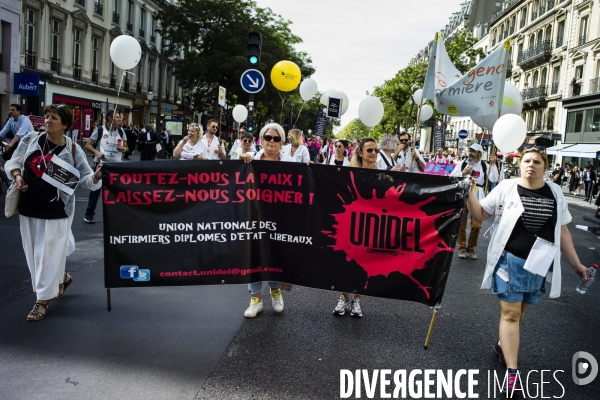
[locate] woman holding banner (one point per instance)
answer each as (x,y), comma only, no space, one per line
(365,156)
(271,136)
(190,148)
(295,148)
(529,230)
(340,157)
(46,205)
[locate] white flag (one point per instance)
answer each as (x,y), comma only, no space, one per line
(441,73)
(478,92)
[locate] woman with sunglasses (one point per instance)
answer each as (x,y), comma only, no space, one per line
(271,136)
(247,146)
(365,156)
(340,157)
(190,148)
(295,148)
(45,208)
(529,214)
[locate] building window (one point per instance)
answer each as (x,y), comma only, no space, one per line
(574,121)
(583,27)
(550,123)
(98,7)
(54,42)
(592,120)
(142,19)
(95,58)
(29,32)
(77,34)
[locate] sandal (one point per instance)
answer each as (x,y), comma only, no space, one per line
(68,279)
(35,314)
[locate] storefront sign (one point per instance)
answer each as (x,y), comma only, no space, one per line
(27,84)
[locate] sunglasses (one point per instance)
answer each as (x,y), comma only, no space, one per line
(404,140)
(371,150)
(268,138)
(338,146)
(247,140)
(531,146)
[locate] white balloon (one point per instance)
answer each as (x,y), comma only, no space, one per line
(125,52)
(509,133)
(240,113)
(512,103)
(426,112)
(336,94)
(418,96)
(370,111)
(308,89)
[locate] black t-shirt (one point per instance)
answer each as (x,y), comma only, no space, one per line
(561,173)
(339,163)
(538,219)
(41,200)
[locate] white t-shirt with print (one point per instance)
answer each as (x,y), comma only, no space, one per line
(190,151)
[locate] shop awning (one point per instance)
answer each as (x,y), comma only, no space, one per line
(582,150)
(559,147)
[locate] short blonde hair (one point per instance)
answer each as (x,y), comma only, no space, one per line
(296,137)
(275,127)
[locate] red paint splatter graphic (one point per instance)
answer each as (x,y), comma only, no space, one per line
(38,164)
(385,235)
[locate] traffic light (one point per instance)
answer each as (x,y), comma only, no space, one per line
(254,48)
(250,123)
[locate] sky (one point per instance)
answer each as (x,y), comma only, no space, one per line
(356,45)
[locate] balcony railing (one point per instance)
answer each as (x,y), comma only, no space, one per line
(595,85)
(125,84)
(539,92)
(113,81)
(80,2)
(142,33)
(152,39)
(509,67)
(55,65)
(77,72)
(542,48)
(116,17)
(95,76)
(550,5)
(138,87)
(554,89)
(30,59)
(559,40)
(130,27)
(98,8)
(582,39)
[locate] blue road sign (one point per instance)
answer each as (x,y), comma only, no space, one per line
(252,81)
(463,133)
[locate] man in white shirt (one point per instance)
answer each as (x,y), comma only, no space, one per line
(481,171)
(407,159)
(211,147)
(107,143)
(16,127)
(237,145)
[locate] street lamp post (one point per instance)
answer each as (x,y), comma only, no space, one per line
(150,97)
(201,32)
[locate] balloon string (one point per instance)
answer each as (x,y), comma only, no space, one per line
(282,97)
(298,115)
(117,101)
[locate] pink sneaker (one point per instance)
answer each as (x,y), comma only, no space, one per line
(512,382)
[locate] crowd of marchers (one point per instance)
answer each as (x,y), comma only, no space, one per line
(530,214)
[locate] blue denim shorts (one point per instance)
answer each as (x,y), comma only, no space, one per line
(522,285)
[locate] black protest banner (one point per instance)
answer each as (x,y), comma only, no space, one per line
(378,233)
(322,121)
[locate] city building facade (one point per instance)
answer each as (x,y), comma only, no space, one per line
(9,54)
(67,44)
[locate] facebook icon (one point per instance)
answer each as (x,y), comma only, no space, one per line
(130,271)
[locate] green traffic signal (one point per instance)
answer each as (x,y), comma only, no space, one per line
(249,129)
(253,60)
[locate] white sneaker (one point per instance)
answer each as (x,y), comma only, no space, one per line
(256,306)
(342,304)
(277,300)
(355,310)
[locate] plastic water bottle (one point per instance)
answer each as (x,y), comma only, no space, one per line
(585,283)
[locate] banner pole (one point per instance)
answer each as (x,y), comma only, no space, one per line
(431,325)
(108,305)
(220,119)
(412,160)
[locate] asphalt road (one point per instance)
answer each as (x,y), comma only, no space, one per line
(194,343)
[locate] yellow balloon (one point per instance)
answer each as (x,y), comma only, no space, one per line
(285,76)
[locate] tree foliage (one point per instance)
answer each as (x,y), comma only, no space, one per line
(219,58)
(355,129)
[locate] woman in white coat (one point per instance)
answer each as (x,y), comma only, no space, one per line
(295,148)
(340,157)
(531,219)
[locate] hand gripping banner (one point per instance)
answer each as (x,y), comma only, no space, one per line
(377,233)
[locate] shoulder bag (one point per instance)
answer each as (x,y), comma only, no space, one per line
(11,202)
